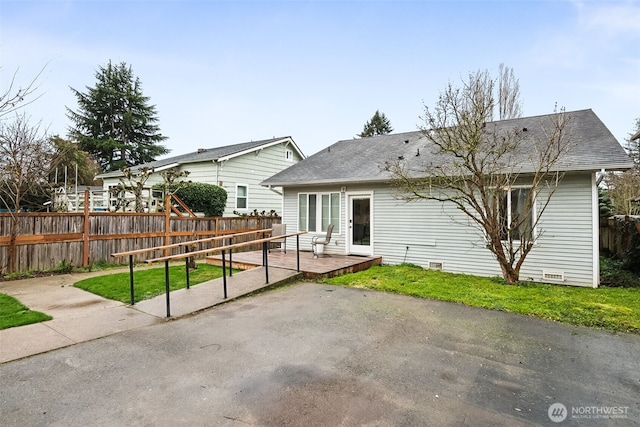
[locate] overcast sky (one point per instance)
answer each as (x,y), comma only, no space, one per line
(225,72)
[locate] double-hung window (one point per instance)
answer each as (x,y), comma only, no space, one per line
(517,210)
(317,210)
(242,195)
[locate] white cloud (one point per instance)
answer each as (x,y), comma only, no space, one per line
(611,19)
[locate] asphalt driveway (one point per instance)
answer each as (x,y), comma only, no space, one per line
(319,355)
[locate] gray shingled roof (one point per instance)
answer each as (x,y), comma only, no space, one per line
(203,155)
(593,148)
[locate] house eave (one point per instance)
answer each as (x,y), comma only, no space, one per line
(323,182)
(386,179)
(597,168)
(118,174)
(262,147)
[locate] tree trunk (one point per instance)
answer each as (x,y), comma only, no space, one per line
(510,275)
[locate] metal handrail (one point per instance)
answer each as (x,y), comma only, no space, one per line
(177,245)
(223,249)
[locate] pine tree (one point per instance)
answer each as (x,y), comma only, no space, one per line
(378,125)
(78,163)
(114,122)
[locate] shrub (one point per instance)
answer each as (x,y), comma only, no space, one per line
(63,267)
(207,198)
(628,237)
(613,274)
(632,255)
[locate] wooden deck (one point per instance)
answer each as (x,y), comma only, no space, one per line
(312,268)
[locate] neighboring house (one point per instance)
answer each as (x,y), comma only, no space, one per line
(346,185)
(238,168)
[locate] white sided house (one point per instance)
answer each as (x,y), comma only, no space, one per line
(346,185)
(238,168)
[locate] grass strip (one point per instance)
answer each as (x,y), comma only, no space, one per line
(147,283)
(13,313)
(616,309)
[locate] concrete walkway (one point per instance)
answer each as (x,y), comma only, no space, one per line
(80,316)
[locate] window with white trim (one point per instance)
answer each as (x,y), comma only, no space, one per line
(317,210)
(242,196)
(288,155)
(516,214)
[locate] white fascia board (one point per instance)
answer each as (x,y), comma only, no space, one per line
(325,182)
(111,174)
(169,166)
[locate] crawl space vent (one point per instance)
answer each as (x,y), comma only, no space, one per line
(435,265)
(553,276)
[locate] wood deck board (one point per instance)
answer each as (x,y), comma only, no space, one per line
(312,268)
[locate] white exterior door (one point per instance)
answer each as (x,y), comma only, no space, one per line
(359,223)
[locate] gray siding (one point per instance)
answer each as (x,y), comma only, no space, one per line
(251,169)
(424,231)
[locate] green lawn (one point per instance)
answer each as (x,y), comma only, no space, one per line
(147,283)
(13,313)
(615,309)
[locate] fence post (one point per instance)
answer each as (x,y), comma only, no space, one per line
(167,222)
(626,233)
(85,237)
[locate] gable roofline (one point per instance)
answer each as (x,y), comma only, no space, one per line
(216,154)
(592,149)
(268,144)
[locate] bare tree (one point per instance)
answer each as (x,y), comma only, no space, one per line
(171,180)
(624,191)
(25,161)
(509,105)
(475,165)
(13,98)
(132,182)
(624,187)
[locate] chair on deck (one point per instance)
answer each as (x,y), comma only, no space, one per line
(322,241)
(279,230)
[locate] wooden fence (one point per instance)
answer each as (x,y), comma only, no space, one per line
(45,240)
(616,233)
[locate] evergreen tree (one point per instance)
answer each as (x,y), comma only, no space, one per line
(378,125)
(114,122)
(77,162)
